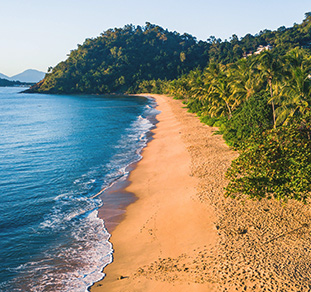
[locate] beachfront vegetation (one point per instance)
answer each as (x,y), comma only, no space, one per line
(262,106)
(256,90)
(135,58)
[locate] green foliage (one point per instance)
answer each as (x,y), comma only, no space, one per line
(275,164)
(152,86)
(120,60)
(213,121)
(252,118)
(194,105)
(262,105)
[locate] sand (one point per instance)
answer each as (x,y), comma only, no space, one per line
(182,234)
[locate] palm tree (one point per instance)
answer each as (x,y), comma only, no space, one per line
(296,93)
(246,82)
(271,70)
(197,88)
(221,97)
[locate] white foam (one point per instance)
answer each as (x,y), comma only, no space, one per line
(80,263)
(68,208)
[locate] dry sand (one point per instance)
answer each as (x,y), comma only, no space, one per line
(183,235)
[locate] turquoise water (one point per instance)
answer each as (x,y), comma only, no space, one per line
(56,153)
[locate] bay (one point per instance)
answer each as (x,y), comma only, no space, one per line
(56,153)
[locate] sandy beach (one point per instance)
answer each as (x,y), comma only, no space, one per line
(181,234)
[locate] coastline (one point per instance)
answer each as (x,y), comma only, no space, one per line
(168,222)
(182,234)
(115,196)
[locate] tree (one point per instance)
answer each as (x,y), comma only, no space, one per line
(246,80)
(221,96)
(270,66)
(122,58)
(295,97)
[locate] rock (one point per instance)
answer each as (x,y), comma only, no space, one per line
(122,277)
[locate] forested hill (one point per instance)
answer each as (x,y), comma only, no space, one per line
(119,59)
(122,58)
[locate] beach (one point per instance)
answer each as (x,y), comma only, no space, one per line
(168,222)
(182,234)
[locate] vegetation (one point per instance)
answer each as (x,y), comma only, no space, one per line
(261,103)
(275,164)
(120,59)
(262,106)
(130,59)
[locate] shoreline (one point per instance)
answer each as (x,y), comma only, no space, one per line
(161,223)
(182,234)
(115,196)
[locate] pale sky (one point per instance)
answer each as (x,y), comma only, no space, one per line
(36,34)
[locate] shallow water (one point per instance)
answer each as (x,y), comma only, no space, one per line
(56,153)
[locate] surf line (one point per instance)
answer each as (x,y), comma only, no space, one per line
(124,175)
(100,192)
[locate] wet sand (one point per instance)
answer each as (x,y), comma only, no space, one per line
(181,234)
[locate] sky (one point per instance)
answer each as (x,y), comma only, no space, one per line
(36,34)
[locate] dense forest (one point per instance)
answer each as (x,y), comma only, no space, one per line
(256,90)
(119,59)
(122,58)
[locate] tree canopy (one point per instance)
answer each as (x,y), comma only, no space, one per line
(262,106)
(121,58)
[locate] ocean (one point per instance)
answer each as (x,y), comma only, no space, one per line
(57,152)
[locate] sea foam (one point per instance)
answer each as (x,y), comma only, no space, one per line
(70,245)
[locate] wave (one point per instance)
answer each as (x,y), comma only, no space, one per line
(81,249)
(72,265)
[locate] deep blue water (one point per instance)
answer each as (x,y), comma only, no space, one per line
(56,153)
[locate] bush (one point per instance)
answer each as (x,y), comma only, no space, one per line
(252,118)
(275,164)
(194,105)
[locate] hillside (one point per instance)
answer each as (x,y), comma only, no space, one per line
(2,76)
(119,59)
(122,58)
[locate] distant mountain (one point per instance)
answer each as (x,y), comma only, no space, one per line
(2,76)
(29,75)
